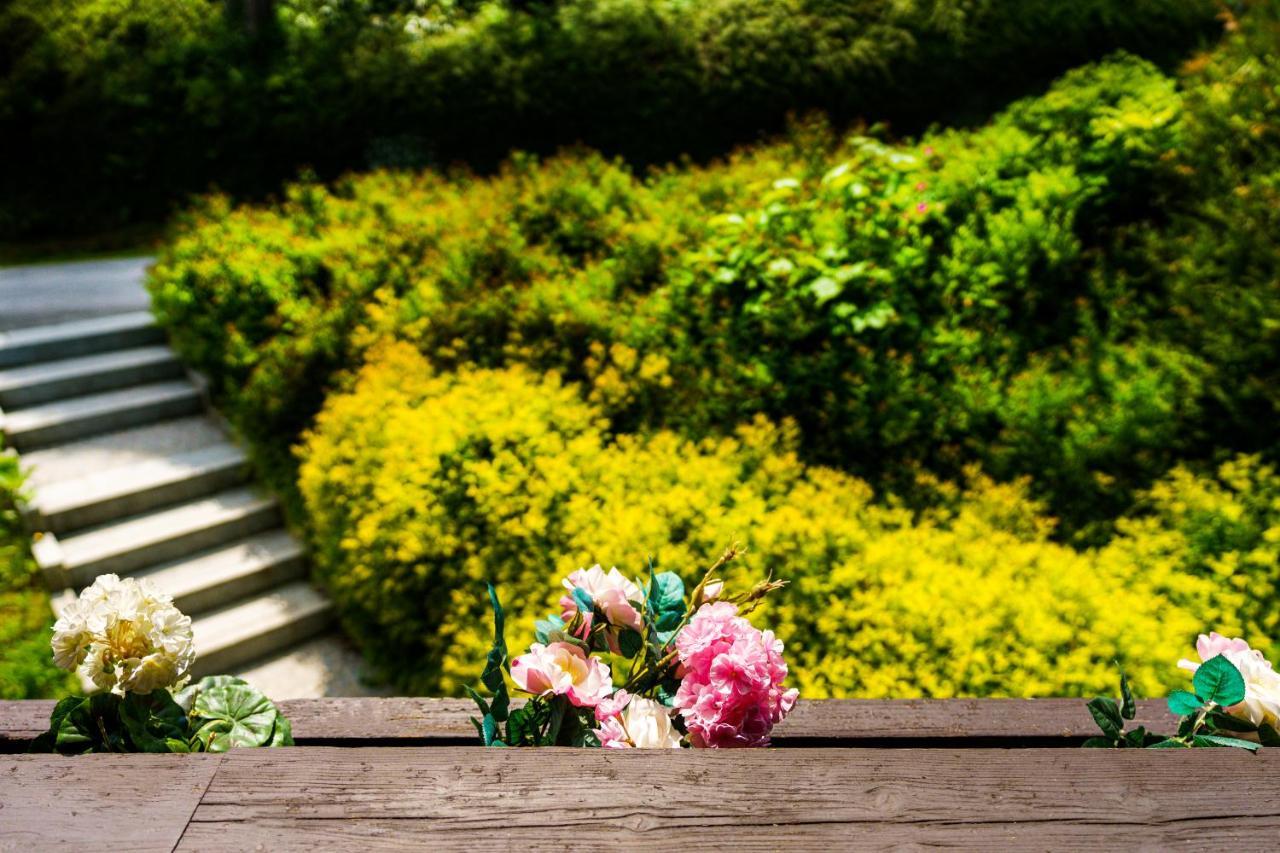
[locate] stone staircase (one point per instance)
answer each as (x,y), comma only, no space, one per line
(130,475)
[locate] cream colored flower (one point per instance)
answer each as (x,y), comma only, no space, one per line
(648,725)
(124,635)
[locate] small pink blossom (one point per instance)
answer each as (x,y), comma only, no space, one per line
(731,692)
(562,669)
(922,207)
(921,186)
(612,706)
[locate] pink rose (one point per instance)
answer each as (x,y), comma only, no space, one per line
(562,669)
(610,592)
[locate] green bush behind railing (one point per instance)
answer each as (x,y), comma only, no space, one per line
(1076,300)
(113,110)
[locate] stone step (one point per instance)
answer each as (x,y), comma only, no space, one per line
(77,417)
(257,626)
(38,383)
(111,450)
(81,337)
(325,665)
(167,534)
(229,572)
(116,493)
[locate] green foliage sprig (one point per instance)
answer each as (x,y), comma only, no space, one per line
(1204,720)
(215,714)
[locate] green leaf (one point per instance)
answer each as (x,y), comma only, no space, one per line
(1182,703)
(1168,743)
(666,600)
(48,741)
(283,734)
(152,720)
(496,662)
(1099,743)
(1128,707)
(477,698)
(584,600)
(1268,735)
(544,628)
(1218,681)
(630,642)
(489,730)
(558,706)
(1226,722)
(1136,738)
(233,715)
(1107,715)
(1222,740)
(824,289)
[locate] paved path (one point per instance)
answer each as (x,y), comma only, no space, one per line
(129,474)
(41,294)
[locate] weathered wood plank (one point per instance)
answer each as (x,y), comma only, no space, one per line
(477,799)
(908,721)
(100,802)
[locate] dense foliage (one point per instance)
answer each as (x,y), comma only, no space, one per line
(112,110)
(26,671)
(1071,312)
(422,486)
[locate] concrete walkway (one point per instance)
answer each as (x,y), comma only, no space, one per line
(41,294)
(129,474)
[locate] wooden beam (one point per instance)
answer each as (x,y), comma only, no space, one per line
(556,799)
(100,802)
(914,722)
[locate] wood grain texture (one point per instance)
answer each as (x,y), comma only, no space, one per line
(555,799)
(914,722)
(100,802)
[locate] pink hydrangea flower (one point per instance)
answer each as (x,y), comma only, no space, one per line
(562,669)
(731,692)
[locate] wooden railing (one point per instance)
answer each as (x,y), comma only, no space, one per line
(374,774)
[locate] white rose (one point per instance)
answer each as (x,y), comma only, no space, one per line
(648,725)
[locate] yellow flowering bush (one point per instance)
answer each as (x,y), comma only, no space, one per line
(423,485)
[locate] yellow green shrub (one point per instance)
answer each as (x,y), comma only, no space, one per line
(422,486)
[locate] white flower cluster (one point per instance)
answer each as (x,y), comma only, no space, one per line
(125,636)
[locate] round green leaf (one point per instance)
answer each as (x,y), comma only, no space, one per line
(1218,681)
(1182,703)
(236,715)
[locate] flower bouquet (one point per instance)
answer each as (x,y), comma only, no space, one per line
(1234,702)
(129,640)
(628,664)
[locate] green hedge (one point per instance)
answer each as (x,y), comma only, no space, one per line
(26,660)
(976,296)
(113,110)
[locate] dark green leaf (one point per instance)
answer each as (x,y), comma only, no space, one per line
(666,600)
(630,642)
(1168,743)
(477,698)
(1136,738)
(1099,743)
(1268,735)
(1222,740)
(489,730)
(47,742)
(1218,681)
(1226,722)
(1107,715)
(1128,707)
(152,720)
(496,662)
(584,600)
(283,734)
(1182,703)
(558,706)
